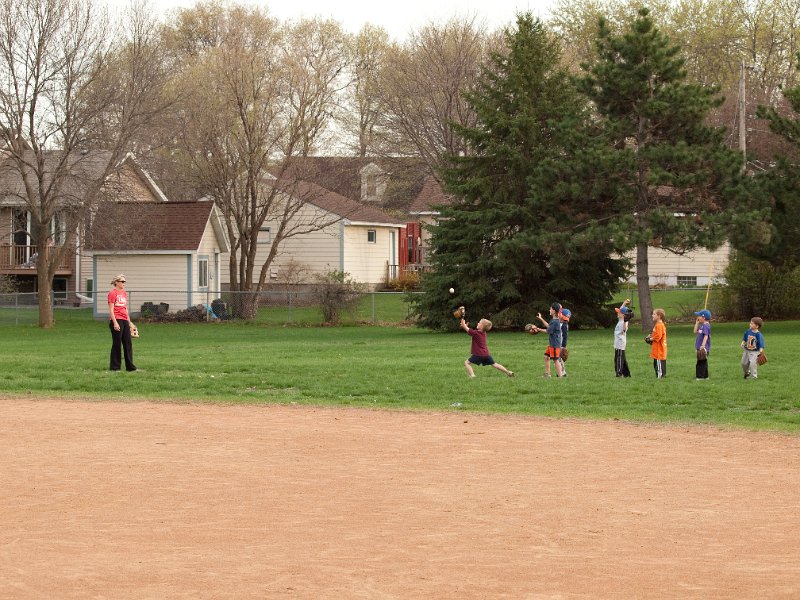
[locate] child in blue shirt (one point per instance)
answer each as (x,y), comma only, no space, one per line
(753,345)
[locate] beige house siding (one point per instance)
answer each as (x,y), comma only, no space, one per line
(367,262)
(85,273)
(666,268)
(5,225)
(336,247)
(317,252)
(209,247)
(151,278)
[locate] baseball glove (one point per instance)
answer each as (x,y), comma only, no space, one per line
(134,331)
(702,353)
(460,312)
(648,339)
(564,354)
(762,358)
(531,328)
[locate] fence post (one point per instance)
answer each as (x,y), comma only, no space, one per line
(373,307)
(290,306)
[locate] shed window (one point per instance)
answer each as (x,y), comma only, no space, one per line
(372,236)
(202,272)
(687,280)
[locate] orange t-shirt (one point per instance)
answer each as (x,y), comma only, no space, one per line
(658,349)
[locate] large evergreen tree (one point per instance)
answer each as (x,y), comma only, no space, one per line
(776,237)
(516,238)
(676,177)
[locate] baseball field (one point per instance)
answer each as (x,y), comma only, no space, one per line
(244,461)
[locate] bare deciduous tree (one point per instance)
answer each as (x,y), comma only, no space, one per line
(422,88)
(257,97)
(361,110)
(73,92)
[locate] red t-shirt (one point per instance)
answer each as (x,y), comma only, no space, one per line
(479,347)
(120,301)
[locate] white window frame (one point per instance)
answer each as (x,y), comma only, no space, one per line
(264,235)
(372,233)
(202,272)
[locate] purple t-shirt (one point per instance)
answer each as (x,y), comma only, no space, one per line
(479,347)
(702,331)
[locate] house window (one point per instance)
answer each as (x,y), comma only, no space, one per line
(59,288)
(58,230)
(687,281)
(372,186)
(202,272)
(372,236)
(89,287)
(264,236)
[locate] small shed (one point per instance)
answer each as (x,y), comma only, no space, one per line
(170,253)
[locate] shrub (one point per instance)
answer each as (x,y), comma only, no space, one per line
(405,282)
(8,285)
(757,287)
(337,294)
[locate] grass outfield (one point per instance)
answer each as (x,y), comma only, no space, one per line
(404,367)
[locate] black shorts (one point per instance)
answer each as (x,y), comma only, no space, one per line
(484,361)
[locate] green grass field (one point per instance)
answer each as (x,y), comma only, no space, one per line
(404,367)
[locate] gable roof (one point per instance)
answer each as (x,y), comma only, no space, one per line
(351,211)
(430,197)
(342,174)
(83,169)
(152,226)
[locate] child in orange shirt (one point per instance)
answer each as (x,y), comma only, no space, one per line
(658,343)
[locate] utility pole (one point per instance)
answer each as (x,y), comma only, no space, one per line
(742,109)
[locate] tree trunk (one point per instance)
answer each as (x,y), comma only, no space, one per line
(643,284)
(44,295)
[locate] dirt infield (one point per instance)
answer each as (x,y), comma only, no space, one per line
(142,500)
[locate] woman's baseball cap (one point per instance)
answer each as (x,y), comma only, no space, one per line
(566,314)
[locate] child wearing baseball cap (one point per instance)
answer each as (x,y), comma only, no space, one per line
(553,350)
(624,315)
(702,343)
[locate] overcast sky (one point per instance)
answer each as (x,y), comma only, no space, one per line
(398,17)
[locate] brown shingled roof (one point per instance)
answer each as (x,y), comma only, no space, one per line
(342,174)
(122,226)
(336,203)
(430,197)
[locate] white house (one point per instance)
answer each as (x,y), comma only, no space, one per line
(338,234)
(170,252)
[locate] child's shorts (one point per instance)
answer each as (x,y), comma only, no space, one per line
(552,352)
(484,361)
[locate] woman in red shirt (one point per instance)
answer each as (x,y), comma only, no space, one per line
(120,325)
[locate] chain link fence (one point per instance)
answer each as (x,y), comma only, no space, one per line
(271,307)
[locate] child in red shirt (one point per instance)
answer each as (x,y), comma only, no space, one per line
(479,352)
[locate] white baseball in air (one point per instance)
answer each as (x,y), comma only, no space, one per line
(452,291)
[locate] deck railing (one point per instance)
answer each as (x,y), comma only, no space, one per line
(25,257)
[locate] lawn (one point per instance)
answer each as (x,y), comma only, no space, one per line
(409,368)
